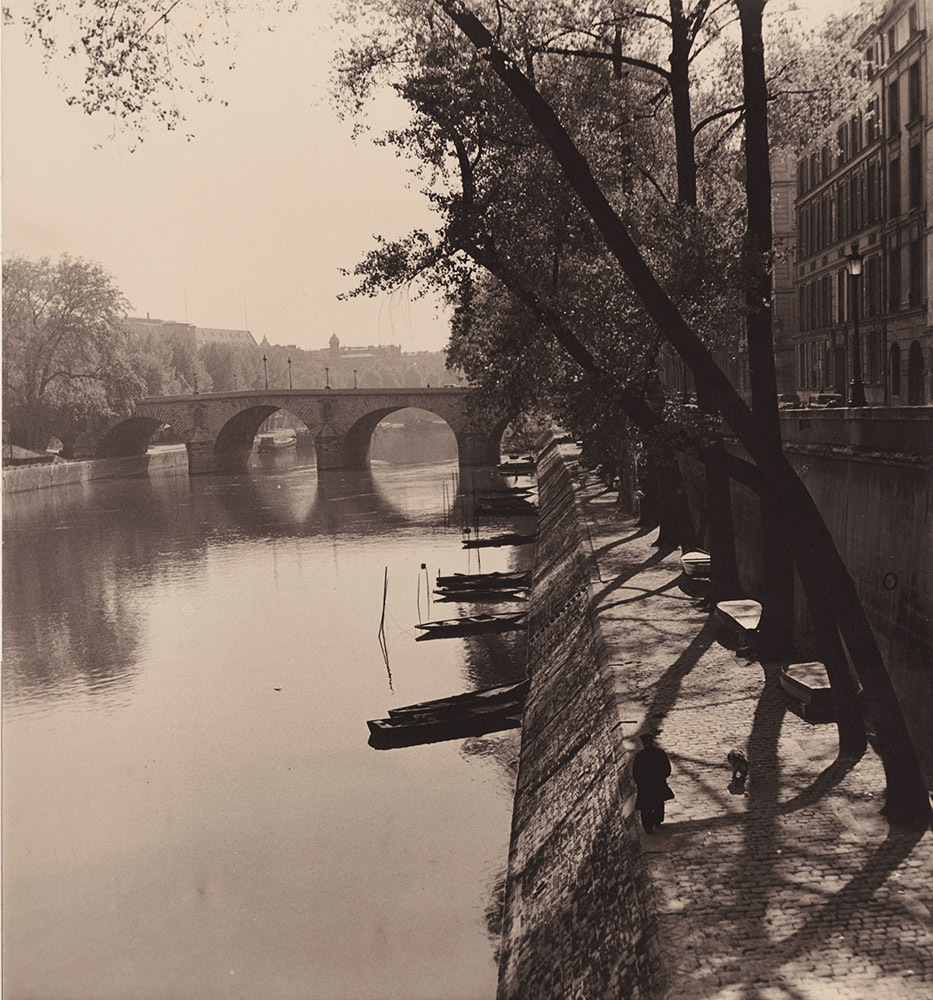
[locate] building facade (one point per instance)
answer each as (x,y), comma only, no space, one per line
(863,199)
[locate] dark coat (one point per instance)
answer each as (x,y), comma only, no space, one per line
(651,769)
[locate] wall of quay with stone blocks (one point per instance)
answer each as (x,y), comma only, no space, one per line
(24,478)
(579,922)
(869,471)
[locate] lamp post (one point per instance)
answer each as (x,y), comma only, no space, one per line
(265,370)
(326,378)
(354,378)
(856,387)
(289,360)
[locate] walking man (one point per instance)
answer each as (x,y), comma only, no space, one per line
(650,770)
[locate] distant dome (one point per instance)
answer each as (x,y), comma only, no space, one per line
(334,342)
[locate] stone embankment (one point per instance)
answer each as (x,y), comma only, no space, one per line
(790,885)
(24,478)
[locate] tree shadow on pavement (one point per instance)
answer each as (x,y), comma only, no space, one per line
(763,887)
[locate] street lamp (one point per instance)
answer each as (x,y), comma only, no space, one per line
(354,378)
(856,387)
(265,369)
(326,378)
(289,372)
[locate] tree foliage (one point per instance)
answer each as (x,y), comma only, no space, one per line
(65,363)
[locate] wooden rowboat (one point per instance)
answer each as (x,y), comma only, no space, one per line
(471,625)
(502,694)
(511,538)
(416,729)
(498,594)
(485,581)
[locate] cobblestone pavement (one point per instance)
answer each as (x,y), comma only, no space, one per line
(793,887)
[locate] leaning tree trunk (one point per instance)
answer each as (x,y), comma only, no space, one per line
(818,560)
(775,633)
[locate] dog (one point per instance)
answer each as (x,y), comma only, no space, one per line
(739,765)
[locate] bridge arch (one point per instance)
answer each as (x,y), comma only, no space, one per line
(218,428)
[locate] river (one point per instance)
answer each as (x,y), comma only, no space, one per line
(190,806)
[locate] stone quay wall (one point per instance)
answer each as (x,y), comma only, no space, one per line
(869,472)
(579,918)
(25,478)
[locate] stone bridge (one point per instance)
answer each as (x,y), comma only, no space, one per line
(218,428)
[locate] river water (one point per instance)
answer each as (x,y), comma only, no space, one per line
(190,806)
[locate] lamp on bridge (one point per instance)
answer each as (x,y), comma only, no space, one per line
(856,387)
(265,369)
(289,360)
(326,378)
(354,378)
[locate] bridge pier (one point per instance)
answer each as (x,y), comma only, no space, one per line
(335,452)
(203,460)
(477,447)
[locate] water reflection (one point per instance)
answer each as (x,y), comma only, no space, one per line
(190,806)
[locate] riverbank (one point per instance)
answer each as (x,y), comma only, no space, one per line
(25,478)
(791,886)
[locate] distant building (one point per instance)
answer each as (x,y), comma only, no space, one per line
(867,194)
(336,352)
(199,334)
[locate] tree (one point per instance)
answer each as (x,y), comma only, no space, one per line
(66,366)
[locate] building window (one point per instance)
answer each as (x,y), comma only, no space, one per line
(912,20)
(841,296)
(873,283)
(894,108)
(826,315)
(855,135)
(844,227)
(874,191)
(892,41)
(915,176)
(894,279)
(913,91)
(915,375)
(916,273)
(874,356)
(894,187)
(872,121)
(895,370)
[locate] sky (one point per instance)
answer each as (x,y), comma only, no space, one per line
(248,224)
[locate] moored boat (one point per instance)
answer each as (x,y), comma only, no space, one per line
(276,441)
(480,595)
(485,581)
(471,625)
(510,538)
(415,729)
(502,694)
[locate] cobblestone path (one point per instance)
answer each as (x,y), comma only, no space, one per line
(793,887)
